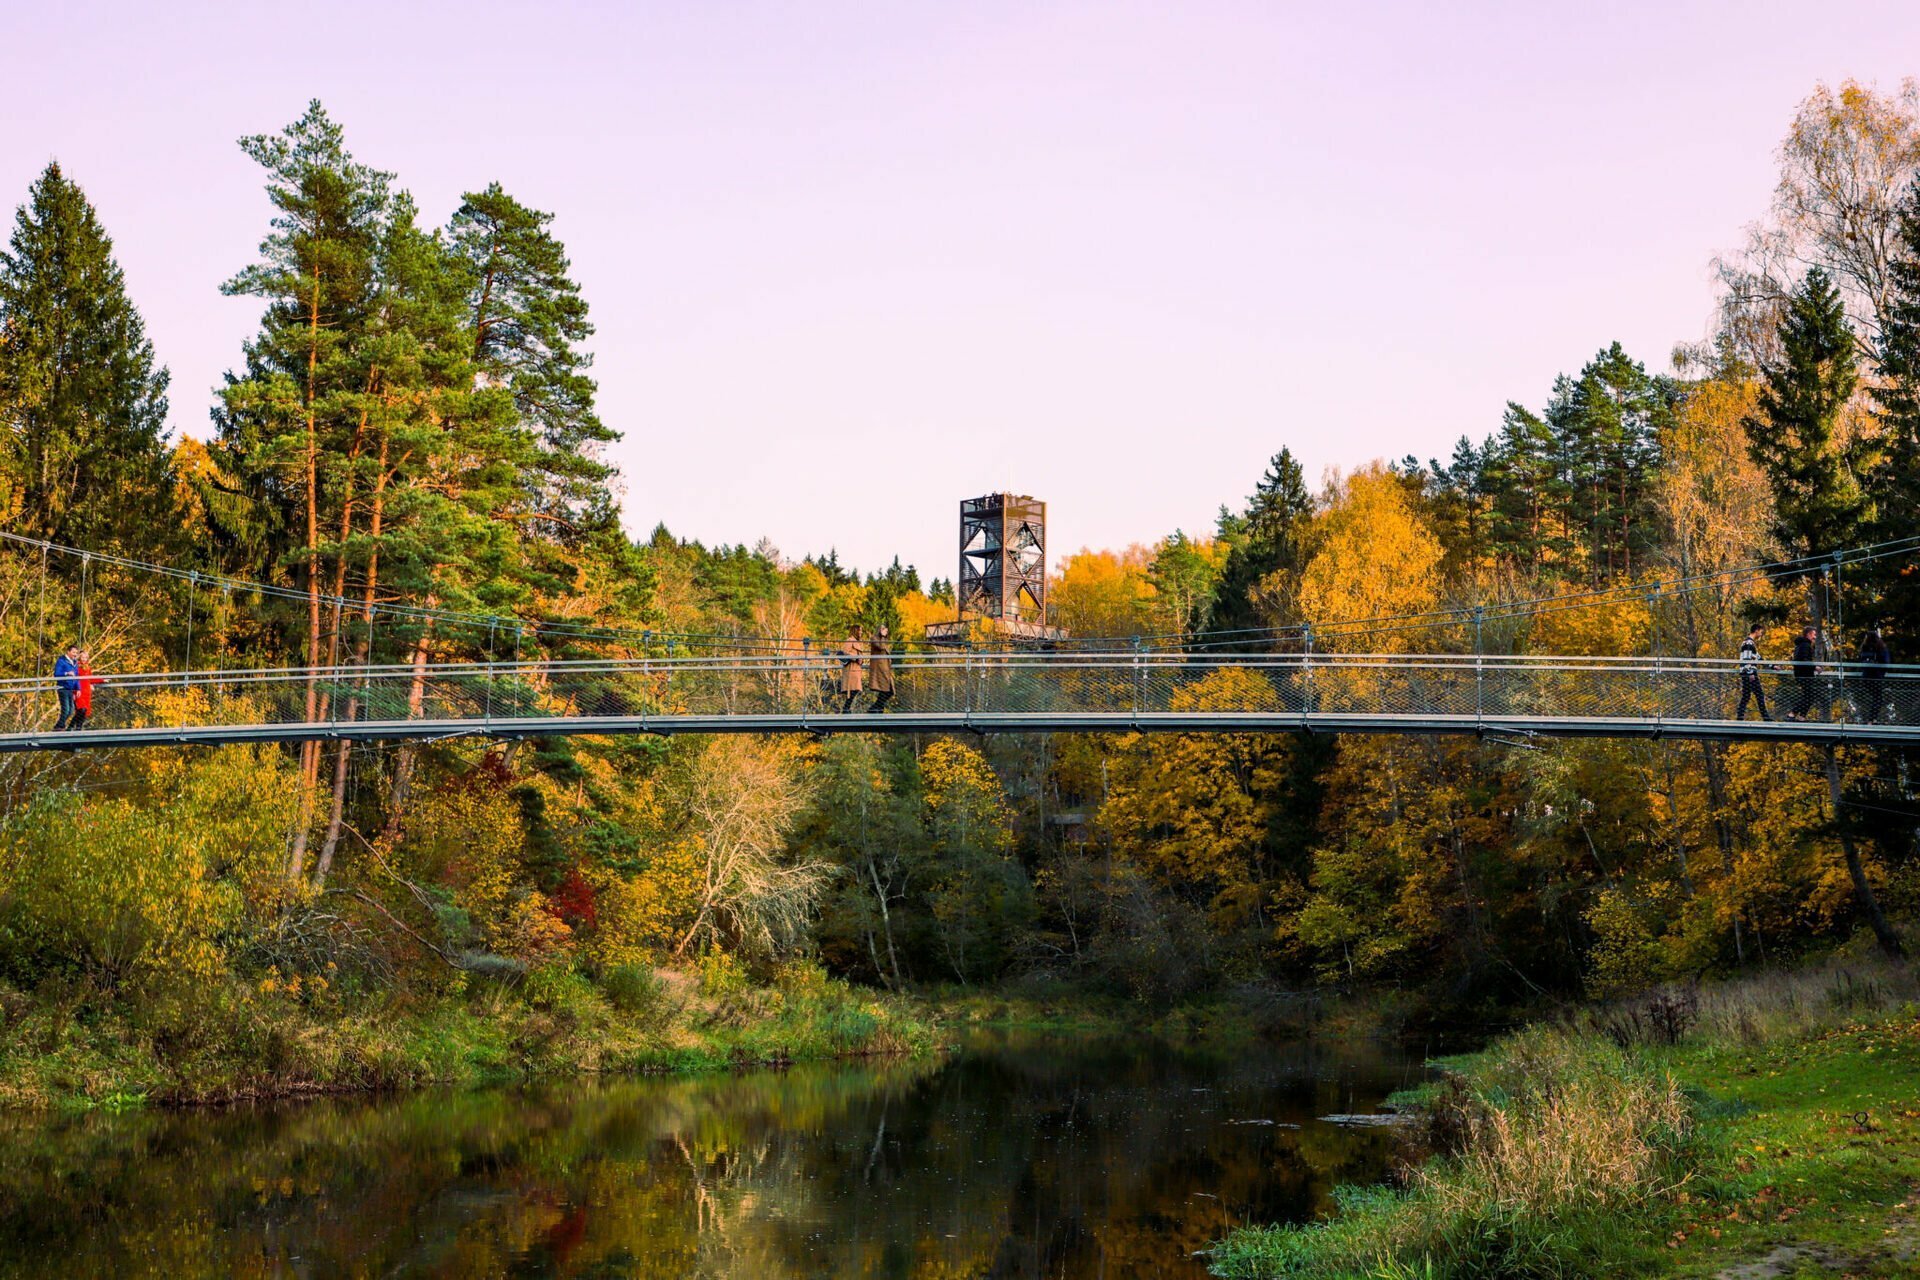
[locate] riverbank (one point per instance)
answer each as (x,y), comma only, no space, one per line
(73,1046)
(76,1048)
(1771,1124)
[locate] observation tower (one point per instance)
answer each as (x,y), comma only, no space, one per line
(1003,573)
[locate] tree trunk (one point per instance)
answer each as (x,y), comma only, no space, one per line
(310,751)
(1862,891)
(886,922)
(337,810)
(404,759)
(1722,832)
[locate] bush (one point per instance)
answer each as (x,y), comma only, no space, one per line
(721,975)
(636,991)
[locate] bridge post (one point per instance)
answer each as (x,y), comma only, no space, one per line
(1139,679)
(491,623)
(1653,652)
(966,678)
(193,584)
(1479,665)
(1307,699)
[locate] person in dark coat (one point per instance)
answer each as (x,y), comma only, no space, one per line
(851,675)
(1806,672)
(66,682)
(880,671)
(1874,657)
(1750,675)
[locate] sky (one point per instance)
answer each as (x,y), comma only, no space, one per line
(850,264)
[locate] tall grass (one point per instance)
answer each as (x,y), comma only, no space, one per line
(1543,1142)
(1558,1151)
(1764,1008)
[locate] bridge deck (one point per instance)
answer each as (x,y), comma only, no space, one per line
(983,693)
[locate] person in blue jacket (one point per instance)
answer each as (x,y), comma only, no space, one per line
(66,679)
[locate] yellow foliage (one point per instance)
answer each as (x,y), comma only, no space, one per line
(1194,809)
(1101,593)
(640,916)
(1373,557)
(916,611)
(531,933)
(963,794)
(142,891)
(1615,628)
(468,836)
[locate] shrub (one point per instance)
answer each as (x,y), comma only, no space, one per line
(635,990)
(721,975)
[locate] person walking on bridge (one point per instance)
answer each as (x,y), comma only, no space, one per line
(1806,672)
(852,677)
(880,670)
(66,682)
(1874,657)
(1750,688)
(84,680)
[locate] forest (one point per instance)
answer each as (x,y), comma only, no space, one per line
(408,453)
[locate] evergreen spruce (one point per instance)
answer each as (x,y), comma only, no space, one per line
(1265,539)
(1820,503)
(82,405)
(1895,481)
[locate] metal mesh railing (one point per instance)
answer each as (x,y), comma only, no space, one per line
(1106,690)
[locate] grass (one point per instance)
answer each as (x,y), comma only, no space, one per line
(77,1049)
(1771,1124)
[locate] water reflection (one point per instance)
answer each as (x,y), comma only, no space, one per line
(1018,1157)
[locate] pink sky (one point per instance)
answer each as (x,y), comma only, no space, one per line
(852,263)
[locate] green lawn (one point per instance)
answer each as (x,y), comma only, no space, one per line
(1813,1151)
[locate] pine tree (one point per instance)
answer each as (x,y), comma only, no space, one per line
(1606,426)
(1523,491)
(1266,540)
(286,424)
(528,322)
(1820,504)
(82,406)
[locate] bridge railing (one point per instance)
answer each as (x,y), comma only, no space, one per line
(1423,687)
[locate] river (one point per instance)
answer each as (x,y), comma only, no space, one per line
(1016,1156)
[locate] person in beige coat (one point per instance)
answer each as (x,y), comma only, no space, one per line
(880,671)
(852,676)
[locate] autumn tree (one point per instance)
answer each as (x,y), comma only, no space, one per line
(1104,594)
(1845,165)
(741,798)
(1196,811)
(1373,557)
(980,899)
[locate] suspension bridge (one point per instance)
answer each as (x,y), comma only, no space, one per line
(670,683)
(1510,699)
